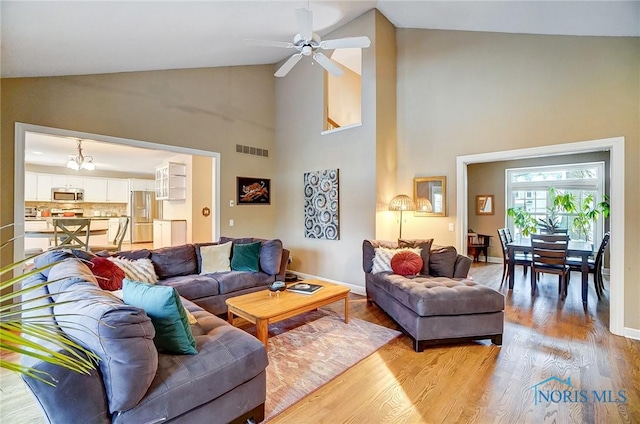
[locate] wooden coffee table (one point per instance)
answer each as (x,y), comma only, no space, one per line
(261,309)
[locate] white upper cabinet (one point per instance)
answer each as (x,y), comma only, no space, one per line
(142,185)
(45,183)
(117,191)
(67,181)
(95,190)
(31,186)
(171,181)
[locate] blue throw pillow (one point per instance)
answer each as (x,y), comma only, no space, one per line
(162,304)
(246,257)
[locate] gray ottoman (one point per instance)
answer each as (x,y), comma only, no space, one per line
(439,309)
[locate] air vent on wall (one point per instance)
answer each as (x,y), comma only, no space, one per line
(255,151)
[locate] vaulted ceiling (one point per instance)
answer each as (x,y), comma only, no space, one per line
(48,38)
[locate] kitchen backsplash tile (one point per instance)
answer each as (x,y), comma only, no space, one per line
(90,209)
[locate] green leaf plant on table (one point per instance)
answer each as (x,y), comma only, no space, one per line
(524,221)
(20,333)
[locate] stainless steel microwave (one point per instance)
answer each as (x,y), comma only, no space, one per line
(67,195)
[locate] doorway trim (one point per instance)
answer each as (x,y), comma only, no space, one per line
(19,171)
(615,146)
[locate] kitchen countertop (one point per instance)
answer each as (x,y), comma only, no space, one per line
(93,218)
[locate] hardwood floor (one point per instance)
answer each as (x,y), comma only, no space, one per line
(474,382)
(482,383)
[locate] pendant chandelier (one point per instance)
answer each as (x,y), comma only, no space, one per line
(81,161)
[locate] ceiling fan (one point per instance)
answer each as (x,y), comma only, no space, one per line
(306,42)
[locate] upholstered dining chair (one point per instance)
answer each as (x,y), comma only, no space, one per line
(595,265)
(519,258)
(549,256)
(116,246)
(72,233)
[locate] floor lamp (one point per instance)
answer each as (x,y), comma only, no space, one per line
(401,203)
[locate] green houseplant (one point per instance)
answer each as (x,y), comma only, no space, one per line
(523,220)
(20,334)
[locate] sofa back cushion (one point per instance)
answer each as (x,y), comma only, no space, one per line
(369,251)
(270,252)
(121,335)
(133,255)
(442,261)
(425,245)
(175,261)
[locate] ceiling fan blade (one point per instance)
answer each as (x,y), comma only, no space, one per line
(305,22)
(349,42)
(286,67)
(328,64)
(268,43)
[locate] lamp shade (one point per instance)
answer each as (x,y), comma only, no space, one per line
(424,205)
(402,202)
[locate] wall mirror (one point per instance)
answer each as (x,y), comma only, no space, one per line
(430,196)
(484,204)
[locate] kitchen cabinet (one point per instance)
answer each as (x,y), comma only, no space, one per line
(67,181)
(142,185)
(171,181)
(169,232)
(36,242)
(95,190)
(110,190)
(44,185)
(31,186)
(99,239)
(117,191)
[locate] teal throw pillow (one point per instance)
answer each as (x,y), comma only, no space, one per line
(162,304)
(246,257)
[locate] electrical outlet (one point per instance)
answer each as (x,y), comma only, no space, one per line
(451,226)
(231,223)
(231,203)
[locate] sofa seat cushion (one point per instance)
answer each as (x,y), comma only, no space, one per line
(238,280)
(432,296)
(227,357)
(175,261)
(193,286)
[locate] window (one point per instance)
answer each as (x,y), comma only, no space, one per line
(343,94)
(529,189)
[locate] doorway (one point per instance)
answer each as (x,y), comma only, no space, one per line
(615,146)
(21,131)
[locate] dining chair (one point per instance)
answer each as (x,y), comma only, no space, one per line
(123,225)
(549,256)
(72,233)
(595,265)
(518,258)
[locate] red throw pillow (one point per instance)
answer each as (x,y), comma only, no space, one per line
(406,263)
(108,274)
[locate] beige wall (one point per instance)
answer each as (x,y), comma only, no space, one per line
(462,93)
(208,109)
(300,148)
(202,172)
(489,178)
(344,97)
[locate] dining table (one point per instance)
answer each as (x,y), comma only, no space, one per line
(575,248)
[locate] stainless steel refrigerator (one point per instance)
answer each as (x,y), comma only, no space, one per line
(144,209)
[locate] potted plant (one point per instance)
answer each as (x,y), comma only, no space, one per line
(523,220)
(20,333)
(561,202)
(587,213)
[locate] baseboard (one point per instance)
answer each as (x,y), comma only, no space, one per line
(354,289)
(632,333)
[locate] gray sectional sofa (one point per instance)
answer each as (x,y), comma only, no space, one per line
(438,305)
(179,267)
(224,382)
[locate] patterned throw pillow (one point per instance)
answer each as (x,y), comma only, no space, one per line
(139,270)
(382,258)
(406,263)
